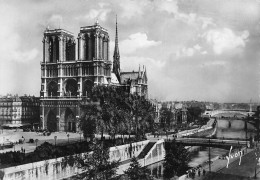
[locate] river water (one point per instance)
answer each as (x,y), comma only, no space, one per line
(225,128)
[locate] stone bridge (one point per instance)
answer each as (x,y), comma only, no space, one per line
(209,142)
(230,113)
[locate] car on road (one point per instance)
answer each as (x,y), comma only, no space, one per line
(6,145)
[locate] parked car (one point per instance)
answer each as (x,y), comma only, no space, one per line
(7,144)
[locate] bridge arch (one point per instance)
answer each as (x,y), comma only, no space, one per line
(223,113)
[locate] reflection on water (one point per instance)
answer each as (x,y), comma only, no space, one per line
(156,169)
(226,129)
(234,129)
(201,156)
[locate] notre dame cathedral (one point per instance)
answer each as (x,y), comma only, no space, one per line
(66,80)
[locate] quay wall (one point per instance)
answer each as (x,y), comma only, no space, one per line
(58,169)
(156,154)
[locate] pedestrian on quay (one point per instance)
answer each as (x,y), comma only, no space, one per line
(188,174)
(193,174)
(199,172)
(204,172)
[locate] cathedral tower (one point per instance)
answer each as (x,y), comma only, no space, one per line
(67,80)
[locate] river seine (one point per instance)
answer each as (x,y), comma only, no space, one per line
(234,129)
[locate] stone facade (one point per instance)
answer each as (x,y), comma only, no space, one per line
(67,79)
(19,111)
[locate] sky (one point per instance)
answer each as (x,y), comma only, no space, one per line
(204,50)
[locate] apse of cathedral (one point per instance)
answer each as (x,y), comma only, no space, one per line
(67,80)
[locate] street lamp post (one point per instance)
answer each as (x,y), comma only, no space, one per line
(36,141)
(55,138)
(209,157)
(246,131)
(80,136)
(256,153)
(68,135)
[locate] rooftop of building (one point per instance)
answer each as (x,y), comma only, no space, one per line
(57,31)
(128,75)
(15,98)
(93,27)
(114,79)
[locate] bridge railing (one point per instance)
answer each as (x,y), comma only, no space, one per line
(210,141)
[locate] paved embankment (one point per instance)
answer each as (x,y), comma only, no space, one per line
(219,170)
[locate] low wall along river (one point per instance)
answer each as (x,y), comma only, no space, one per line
(56,169)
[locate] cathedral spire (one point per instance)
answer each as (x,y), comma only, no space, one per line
(139,72)
(116,51)
(116,57)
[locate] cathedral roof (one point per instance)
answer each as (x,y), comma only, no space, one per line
(114,79)
(105,81)
(125,76)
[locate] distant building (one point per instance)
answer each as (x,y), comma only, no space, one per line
(135,82)
(155,104)
(19,111)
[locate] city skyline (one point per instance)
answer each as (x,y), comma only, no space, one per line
(203,50)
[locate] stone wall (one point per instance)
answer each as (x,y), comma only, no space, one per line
(57,169)
(156,154)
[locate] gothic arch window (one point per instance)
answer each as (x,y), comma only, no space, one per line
(51,50)
(87,87)
(66,70)
(105,53)
(92,47)
(52,89)
(56,49)
(86,46)
(70,87)
(70,50)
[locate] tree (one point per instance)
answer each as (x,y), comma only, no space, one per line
(136,172)
(176,160)
(88,121)
(97,165)
(117,113)
(166,118)
(194,113)
(2,174)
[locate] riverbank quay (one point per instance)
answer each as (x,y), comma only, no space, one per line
(55,138)
(219,171)
(146,151)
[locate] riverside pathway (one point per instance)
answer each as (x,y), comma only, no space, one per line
(219,171)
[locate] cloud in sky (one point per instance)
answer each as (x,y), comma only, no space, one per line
(131,9)
(202,50)
(225,39)
(137,41)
